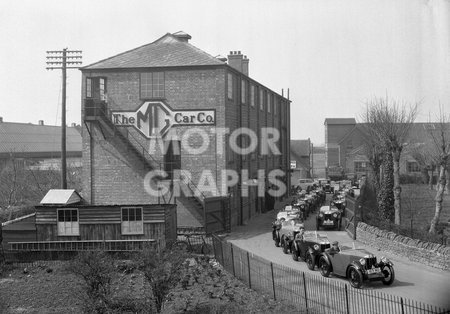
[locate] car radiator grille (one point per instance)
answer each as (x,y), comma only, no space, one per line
(370,261)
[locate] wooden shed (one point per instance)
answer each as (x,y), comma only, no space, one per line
(21,229)
(62,216)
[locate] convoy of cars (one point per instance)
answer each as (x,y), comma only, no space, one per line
(314,248)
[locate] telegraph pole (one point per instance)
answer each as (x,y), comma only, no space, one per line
(63,59)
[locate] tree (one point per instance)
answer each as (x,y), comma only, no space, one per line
(440,135)
(389,122)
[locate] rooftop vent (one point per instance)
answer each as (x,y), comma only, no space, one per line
(182,36)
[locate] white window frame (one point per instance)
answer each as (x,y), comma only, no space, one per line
(68,227)
(131,227)
(230,86)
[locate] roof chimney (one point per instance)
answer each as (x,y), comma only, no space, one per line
(182,36)
(238,61)
(41,122)
(74,124)
(1,119)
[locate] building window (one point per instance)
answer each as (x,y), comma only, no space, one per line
(68,224)
(261,99)
(96,88)
(88,87)
(412,166)
(252,96)
(243,91)
(132,222)
(152,85)
(275,105)
(230,86)
(360,166)
(269,102)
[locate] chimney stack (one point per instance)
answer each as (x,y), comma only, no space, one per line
(182,36)
(41,122)
(1,119)
(238,61)
(74,124)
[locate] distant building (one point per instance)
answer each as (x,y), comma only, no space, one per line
(38,146)
(300,159)
(345,150)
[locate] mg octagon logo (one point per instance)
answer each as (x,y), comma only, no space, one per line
(155,118)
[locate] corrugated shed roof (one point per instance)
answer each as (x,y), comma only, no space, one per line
(61,197)
(340,121)
(32,138)
(167,51)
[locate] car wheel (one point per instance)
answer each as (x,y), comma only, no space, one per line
(324,267)
(309,259)
(389,275)
(295,254)
(285,246)
(355,277)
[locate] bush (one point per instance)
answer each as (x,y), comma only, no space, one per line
(96,269)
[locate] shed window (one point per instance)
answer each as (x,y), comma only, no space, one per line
(68,224)
(132,221)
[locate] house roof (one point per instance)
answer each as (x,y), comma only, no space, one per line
(61,197)
(170,50)
(340,121)
(19,138)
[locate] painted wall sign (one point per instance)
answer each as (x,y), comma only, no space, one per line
(156,118)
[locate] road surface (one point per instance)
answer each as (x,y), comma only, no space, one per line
(413,280)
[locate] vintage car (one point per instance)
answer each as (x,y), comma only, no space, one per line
(329,216)
(309,247)
(357,265)
(328,188)
(289,212)
(302,206)
(288,232)
(339,202)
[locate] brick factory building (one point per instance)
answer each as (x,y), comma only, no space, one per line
(143,106)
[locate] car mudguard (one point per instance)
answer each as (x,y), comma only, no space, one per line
(327,258)
(358,266)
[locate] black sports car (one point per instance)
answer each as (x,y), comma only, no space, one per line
(357,265)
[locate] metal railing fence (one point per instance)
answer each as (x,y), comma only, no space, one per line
(310,292)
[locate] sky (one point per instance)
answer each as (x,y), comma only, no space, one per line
(334,56)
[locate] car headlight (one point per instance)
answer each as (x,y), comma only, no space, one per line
(316,247)
(320,215)
(384,260)
(335,215)
(362,261)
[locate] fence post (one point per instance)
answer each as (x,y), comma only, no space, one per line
(346,299)
(232,260)
(304,288)
(273,281)
(248,266)
(401,303)
(221,249)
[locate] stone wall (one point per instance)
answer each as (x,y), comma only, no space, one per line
(431,254)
